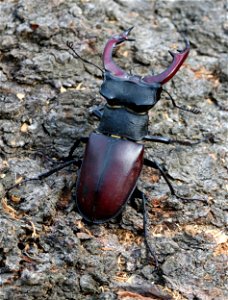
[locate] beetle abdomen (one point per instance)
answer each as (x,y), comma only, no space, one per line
(108,175)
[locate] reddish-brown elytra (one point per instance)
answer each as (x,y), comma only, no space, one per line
(108,176)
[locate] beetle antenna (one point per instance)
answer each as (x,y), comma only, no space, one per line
(76,55)
(185,108)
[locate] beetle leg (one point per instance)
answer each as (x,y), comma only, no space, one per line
(46,174)
(98,112)
(75,145)
(167,140)
(139,194)
(156,165)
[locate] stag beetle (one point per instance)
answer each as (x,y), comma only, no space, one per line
(113,157)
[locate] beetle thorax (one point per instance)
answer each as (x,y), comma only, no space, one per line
(129,100)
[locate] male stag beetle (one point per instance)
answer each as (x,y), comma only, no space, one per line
(113,156)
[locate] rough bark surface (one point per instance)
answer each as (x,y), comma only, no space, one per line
(46,250)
